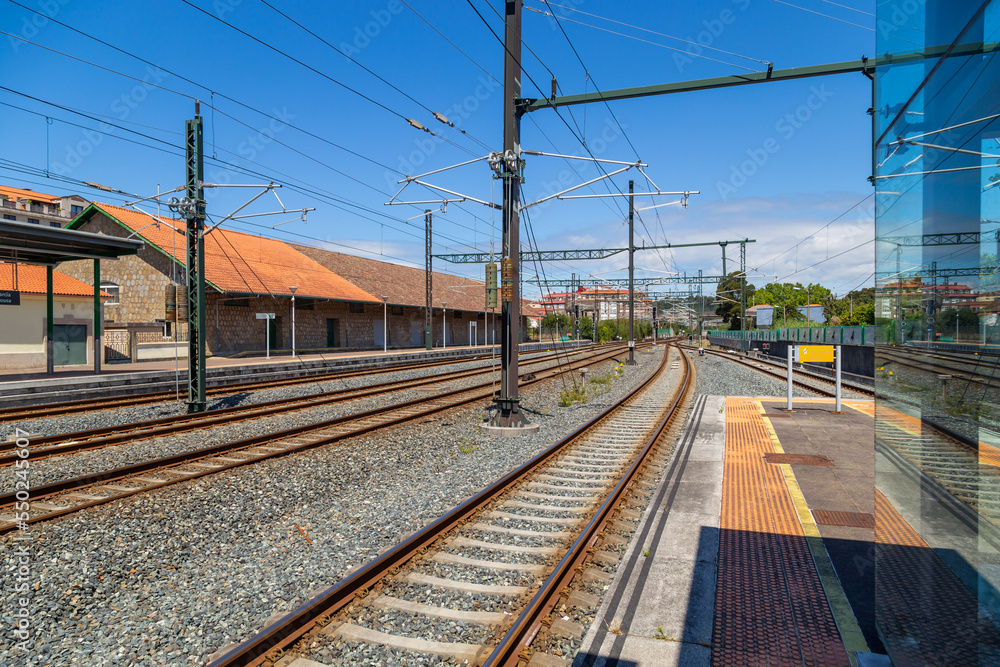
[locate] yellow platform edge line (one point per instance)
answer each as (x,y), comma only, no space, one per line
(843,615)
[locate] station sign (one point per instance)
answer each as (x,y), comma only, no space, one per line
(265,316)
(816,353)
(10,298)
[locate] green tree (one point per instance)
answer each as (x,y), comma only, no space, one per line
(728,294)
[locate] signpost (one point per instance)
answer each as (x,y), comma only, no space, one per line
(815,353)
(267,330)
(10,298)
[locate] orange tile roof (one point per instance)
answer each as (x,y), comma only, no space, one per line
(30,279)
(18,193)
(239,263)
(405,285)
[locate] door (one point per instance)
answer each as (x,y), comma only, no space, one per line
(333,332)
(378,332)
(416,333)
(472,333)
(69,344)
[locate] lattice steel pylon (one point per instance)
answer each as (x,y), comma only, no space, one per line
(193,210)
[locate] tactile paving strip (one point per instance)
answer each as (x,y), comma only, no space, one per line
(846,519)
(926,615)
(770,607)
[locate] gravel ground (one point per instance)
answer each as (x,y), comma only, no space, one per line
(126,415)
(721,377)
(73,465)
(170,577)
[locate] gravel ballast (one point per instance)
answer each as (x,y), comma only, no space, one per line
(168,578)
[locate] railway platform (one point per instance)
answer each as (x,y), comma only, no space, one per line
(758,547)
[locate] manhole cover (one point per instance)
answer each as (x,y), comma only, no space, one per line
(798,459)
(848,519)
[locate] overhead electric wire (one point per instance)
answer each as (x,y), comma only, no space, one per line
(185,95)
(434,28)
(374,74)
(834,18)
(654,32)
(322,74)
(645,41)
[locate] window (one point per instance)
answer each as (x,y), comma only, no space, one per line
(396,310)
(304,304)
(237,303)
(458,314)
(54,224)
(34,221)
(8,216)
(356,308)
(75,210)
(113,289)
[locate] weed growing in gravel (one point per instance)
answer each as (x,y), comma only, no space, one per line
(645,551)
(615,627)
(570,395)
(660,634)
(466,445)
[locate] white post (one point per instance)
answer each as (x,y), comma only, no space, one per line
(293,288)
(837,365)
(790,352)
(267,336)
(385,325)
(444,325)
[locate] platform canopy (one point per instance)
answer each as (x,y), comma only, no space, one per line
(28,243)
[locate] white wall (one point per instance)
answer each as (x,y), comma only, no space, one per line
(22,328)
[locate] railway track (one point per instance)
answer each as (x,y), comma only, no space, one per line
(88,405)
(532,536)
(69,496)
(961,477)
(800,378)
(67,443)
(921,362)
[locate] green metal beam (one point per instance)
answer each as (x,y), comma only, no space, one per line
(952,238)
(851,66)
(666,280)
(570,255)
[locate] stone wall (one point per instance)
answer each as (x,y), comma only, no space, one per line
(142,278)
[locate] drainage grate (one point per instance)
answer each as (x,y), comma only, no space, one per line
(798,459)
(847,519)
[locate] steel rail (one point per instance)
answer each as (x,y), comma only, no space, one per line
(474,393)
(509,651)
(783,375)
(317,611)
(82,405)
(107,436)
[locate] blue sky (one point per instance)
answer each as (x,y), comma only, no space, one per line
(774,162)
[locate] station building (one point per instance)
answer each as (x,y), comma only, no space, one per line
(25,320)
(341,302)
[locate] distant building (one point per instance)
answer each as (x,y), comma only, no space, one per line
(23,205)
(760,316)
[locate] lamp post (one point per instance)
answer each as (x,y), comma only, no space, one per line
(293,288)
(444,324)
(385,324)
